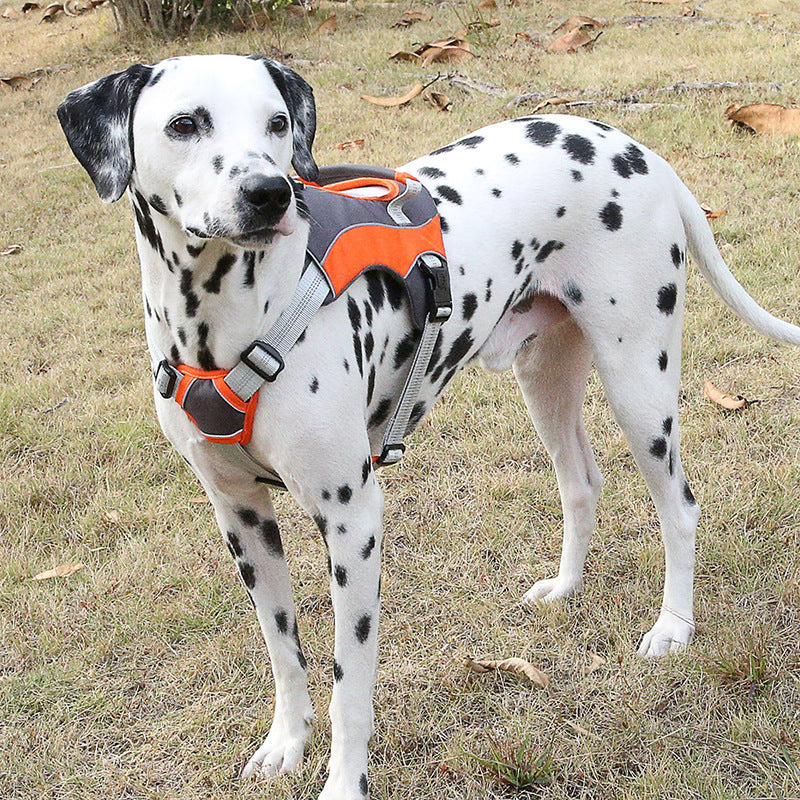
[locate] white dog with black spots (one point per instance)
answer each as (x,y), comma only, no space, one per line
(567,246)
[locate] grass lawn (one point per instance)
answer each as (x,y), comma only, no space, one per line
(143,675)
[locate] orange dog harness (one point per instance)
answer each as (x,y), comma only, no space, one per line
(379,220)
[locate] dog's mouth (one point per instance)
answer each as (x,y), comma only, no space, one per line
(260,237)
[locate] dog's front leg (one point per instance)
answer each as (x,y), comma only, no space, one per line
(349,515)
(247,521)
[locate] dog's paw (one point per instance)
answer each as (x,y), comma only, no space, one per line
(551,590)
(282,750)
(668,635)
(341,788)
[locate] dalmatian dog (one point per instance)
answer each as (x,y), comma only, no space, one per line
(567,246)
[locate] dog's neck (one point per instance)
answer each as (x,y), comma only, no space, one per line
(206,300)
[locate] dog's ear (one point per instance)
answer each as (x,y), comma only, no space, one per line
(299,99)
(97,123)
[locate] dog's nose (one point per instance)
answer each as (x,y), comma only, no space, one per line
(267,194)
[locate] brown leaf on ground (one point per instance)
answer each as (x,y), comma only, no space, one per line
(517,666)
(327,26)
(727,401)
(711,214)
(441,102)
(574,23)
(410,18)
(393,102)
(550,101)
(595,662)
(765,118)
(51,11)
(61,571)
(574,40)
(403,55)
(353,144)
(446,51)
(30,6)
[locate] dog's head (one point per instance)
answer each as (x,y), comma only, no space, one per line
(205,140)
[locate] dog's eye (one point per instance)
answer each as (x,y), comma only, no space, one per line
(185,126)
(278,123)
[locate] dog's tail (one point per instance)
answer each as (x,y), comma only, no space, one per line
(710,262)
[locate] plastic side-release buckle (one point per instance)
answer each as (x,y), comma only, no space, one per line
(166,379)
(441,297)
(263,359)
(390,454)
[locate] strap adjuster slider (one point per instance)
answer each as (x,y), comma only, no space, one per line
(269,361)
(166,378)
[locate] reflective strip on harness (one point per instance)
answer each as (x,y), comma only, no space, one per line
(215,410)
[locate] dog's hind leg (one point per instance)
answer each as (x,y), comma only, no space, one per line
(552,371)
(247,521)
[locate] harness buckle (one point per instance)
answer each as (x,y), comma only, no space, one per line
(166,378)
(441,299)
(390,454)
(269,361)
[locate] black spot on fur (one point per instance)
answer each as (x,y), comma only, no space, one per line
(579,148)
(560,211)
(321,523)
(601,125)
(488,295)
(222,268)
(369,344)
(460,347)
(379,415)
(250,270)
(449,194)
(667,426)
(363,786)
(248,517)
(496,192)
(175,355)
(630,162)
(366,469)
(314,387)
(573,293)
(248,574)
(357,352)
(366,550)
(271,536)
(417,413)
(405,349)
(663,360)
(611,216)
(667,297)
(468,306)
(548,248)
(677,255)
(344,493)
(158,204)
(368,313)
(512,158)
(354,313)
(431,172)
(235,545)
(541,132)
(326,495)
(195,251)
(341,575)
(577,175)
(192,300)
(687,494)
(178,201)
(282,622)
(658,447)
(370,384)
(218,164)
(363,627)
(516,249)
(338,672)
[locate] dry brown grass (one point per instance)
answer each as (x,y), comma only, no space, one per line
(143,675)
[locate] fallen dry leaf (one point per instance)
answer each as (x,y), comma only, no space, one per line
(30,6)
(573,23)
(51,11)
(722,399)
(711,214)
(327,26)
(446,51)
(393,102)
(403,55)
(351,145)
(518,666)
(595,662)
(409,18)
(199,500)
(551,101)
(438,100)
(765,118)
(62,571)
(573,40)
(11,250)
